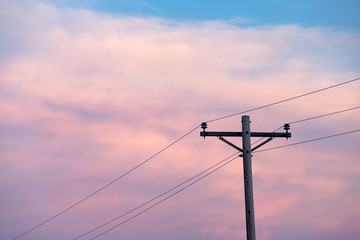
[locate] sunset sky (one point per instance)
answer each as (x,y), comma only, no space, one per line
(91,89)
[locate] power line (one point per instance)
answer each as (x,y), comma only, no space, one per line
(293,122)
(107,185)
(264,137)
(159,202)
(325,115)
(285,100)
(192,183)
(171,144)
(312,118)
(310,140)
(153,199)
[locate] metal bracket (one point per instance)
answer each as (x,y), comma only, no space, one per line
(263,143)
(231,144)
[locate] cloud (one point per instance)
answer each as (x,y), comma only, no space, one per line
(85,97)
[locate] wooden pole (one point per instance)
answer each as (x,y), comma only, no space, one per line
(248,184)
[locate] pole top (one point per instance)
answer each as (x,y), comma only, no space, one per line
(245,118)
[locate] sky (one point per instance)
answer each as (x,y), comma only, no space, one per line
(91,89)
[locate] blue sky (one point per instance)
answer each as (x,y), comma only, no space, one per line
(334,13)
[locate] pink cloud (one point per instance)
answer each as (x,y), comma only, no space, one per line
(91,96)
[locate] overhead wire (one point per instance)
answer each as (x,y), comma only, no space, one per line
(153,199)
(284,100)
(164,199)
(107,185)
(265,137)
(268,149)
(312,118)
(324,115)
(307,141)
(171,144)
(192,183)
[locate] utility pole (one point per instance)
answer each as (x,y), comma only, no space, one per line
(248,183)
(246,135)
